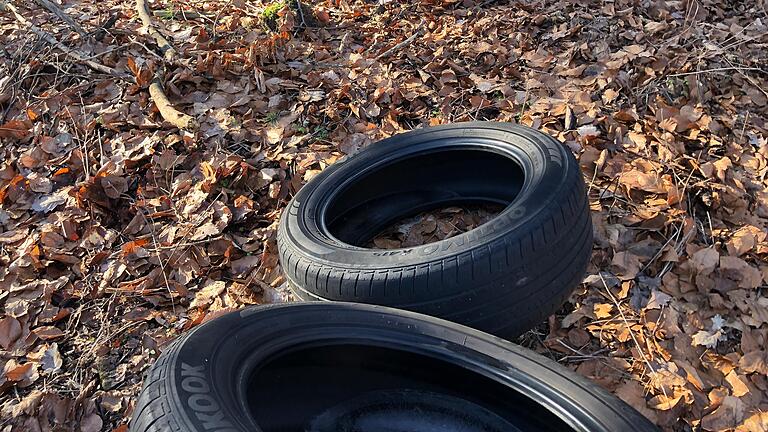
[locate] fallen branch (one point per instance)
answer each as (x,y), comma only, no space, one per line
(62,16)
(722,69)
(69,52)
(167,111)
(146,20)
(156,92)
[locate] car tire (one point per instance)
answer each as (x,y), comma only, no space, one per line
(503,277)
(346,367)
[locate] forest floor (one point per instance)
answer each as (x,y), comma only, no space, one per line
(122,226)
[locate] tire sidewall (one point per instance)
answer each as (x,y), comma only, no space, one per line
(211,369)
(544,161)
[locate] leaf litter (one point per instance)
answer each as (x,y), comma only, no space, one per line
(118,232)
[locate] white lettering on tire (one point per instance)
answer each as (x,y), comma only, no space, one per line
(200,401)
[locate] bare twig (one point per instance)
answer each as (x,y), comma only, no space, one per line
(301,13)
(631,333)
(73,53)
(751,80)
(400,45)
(722,69)
(63,16)
(146,20)
(101,32)
(151,224)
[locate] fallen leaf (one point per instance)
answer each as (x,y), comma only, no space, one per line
(27,405)
(740,271)
(48,332)
(207,293)
(49,202)
(603,310)
(51,360)
(705,260)
(13,236)
(757,422)
(24,372)
(114,186)
(743,240)
(755,361)
(737,383)
(18,129)
(658,299)
(91,423)
(639,180)
(10,331)
(626,264)
(728,415)
(664,403)
(710,338)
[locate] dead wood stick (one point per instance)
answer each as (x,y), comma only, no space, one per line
(167,111)
(146,20)
(62,16)
(70,52)
(156,92)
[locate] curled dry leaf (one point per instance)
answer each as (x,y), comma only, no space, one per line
(710,338)
(754,362)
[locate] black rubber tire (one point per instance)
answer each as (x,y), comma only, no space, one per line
(201,383)
(503,277)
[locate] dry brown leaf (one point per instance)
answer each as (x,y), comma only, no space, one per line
(705,260)
(744,240)
(638,180)
(728,415)
(48,332)
(10,331)
(114,186)
(603,310)
(709,338)
(626,265)
(755,361)
(757,422)
(23,374)
(737,383)
(739,270)
(27,405)
(633,394)
(208,293)
(13,236)
(18,129)
(663,403)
